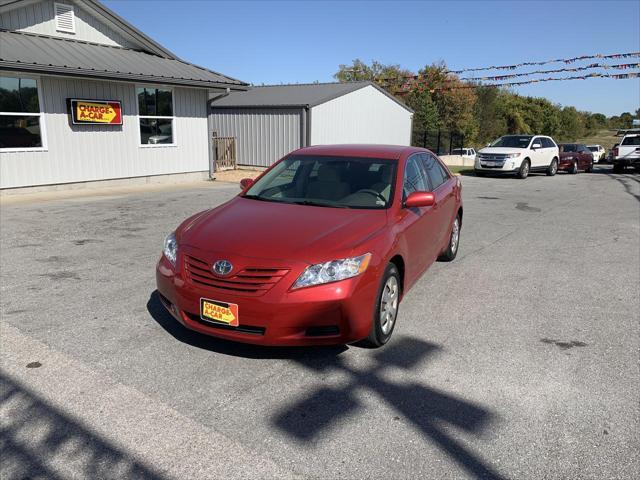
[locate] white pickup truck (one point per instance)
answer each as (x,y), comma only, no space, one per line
(627,153)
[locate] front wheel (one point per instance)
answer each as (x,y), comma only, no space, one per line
(574,168)
(523,171)
(386,309)
(454,240)
(553,168)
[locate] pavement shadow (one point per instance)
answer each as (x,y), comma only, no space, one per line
(431,411)
(39,441)
(627,179)
(160,314)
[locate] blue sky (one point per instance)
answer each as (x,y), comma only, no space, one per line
(304,41)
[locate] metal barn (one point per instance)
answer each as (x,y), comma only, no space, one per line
(261,125)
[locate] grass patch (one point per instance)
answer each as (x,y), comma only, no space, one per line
(461,170)
(606,138)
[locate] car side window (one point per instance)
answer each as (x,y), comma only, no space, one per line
(435,172)
(415,177)
(547,143)
(536,140)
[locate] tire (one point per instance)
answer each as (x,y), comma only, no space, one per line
(589,169)
(523,171)
(478,174)
(454,242)
(553,168)
(381,329)
(574,168)
(617,168)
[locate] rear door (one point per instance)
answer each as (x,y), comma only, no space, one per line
(443,187)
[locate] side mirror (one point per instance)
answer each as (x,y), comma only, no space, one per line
(420,199)
(246,183)
(536,145)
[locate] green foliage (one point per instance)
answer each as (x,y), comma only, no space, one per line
(480,114)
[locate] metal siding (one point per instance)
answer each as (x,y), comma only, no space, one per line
(363,116)
(77,153)
(263,135)
(40,18)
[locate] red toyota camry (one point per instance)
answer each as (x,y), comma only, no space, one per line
(320,249)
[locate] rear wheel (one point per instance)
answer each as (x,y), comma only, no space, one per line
(386,311)
(523,171)
(553,168)
(454,240)
(617,168)
(589,169)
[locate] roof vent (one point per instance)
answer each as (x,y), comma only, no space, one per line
(65,19)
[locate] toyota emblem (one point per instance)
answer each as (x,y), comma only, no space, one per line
(222,267)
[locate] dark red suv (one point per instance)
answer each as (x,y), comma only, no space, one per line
(575,157)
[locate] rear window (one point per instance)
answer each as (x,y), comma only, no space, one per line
(631,140)
(569,147)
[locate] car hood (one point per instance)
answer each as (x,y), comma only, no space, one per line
(502,150)
(271,230)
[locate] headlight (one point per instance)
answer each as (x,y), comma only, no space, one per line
(333,271)
(170,249)
(512,155)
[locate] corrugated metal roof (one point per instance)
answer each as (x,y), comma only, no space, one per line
(295,95)
(39,53)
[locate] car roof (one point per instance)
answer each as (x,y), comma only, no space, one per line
(391,152)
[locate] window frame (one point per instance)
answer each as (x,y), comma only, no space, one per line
(43,130)
(445,173)
(174,138)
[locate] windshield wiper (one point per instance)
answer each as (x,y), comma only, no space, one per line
(262,199)
(320,204)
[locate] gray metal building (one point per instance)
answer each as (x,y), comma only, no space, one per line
(265,123)
(145,110)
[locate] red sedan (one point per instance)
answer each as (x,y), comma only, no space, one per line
(320,249)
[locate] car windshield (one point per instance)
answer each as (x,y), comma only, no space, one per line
(631,140)
(327,181)
(593,149)
(568,147)
(513,141)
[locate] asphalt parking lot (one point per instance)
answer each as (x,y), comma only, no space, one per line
(517,360)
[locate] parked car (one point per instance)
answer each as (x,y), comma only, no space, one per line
(518,155)
(575,157)
(320,249)
(627,153)
(465,153)
(599,153)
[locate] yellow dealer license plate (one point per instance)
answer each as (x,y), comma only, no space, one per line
(214,310)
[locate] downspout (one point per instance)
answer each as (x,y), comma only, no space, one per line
(308,127)
(212,158)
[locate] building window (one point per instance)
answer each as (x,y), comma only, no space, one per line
(20,117)
(155,110)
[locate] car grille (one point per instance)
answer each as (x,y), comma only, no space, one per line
(492,157)
(251,281)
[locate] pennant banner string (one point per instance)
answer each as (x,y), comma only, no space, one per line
(421,87)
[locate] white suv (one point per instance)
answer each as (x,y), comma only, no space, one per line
(519,155)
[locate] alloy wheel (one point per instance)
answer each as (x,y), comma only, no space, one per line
(389,304)
(455,235)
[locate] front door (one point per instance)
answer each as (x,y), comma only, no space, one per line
(418,224)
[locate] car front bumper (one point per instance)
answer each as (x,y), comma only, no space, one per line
(329,314)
